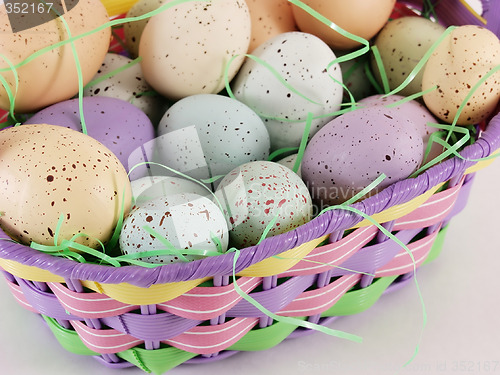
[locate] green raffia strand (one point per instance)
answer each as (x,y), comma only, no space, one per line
(420,65)
(268,67)
(12,97)
(286,319)
(114,72)
(429,10)
(410,97)
(174,251)
(116,233)
(280,152)
(212,179)
(371,78)
(303,143)
(381,69)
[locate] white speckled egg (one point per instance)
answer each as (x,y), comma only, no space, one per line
(254,193)
(47,171)
(466,55)
(354,149)
(402,43)
(302,60)
(208,135)
(186,48)
(133,30)
(128,85)
(51,77)
(151,187)
(187,221)
(289,162)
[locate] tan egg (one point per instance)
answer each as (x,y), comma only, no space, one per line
(133,30)
(47,171)
(269,18)
(463,58)
(363,18)
(402,43)
(52,76)
(186,48)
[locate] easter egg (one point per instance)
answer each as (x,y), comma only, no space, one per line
(354,149)
(123,128)
(186,48)
(256,193)
(300,81)
(49,172)
(464,57)
(51,76)
(187,221)
(363,18)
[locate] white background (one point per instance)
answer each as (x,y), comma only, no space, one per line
(460,290)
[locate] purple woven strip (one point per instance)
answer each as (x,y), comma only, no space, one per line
(325,224)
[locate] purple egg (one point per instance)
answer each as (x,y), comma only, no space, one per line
(354,149)
(119,125)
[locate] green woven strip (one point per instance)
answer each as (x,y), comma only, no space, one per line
(437,246)
(68,338)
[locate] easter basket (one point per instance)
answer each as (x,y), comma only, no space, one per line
(340,263)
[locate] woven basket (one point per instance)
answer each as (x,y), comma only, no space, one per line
(158,318)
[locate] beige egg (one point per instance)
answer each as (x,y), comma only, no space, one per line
(52,76)
(47,171)
(269,18)
(186,48)
(402,43)
(363,18)
(465,56)
(133,30)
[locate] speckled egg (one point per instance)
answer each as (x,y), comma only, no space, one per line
(417,112)
(466,55)
(119,125)
(50,77)
(208,135)
(148,188)
(128,84)
(269,18)
(256,193)
(302,60)
(355,77)
(187,221)
(289,162)
(47,171)
(133,30)
(402,43)
(186,48)
(354,149)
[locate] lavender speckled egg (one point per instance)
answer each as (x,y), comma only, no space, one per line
(187,221)
(148,188)
(117,124)
(208,135)
(414,110)
(256,193)
(48,172)
(127,84)
(354,149)
(303,61)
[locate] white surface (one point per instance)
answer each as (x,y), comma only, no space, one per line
(460,291)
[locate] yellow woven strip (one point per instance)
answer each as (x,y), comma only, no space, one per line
(274,266)
(29,272)
(117,7)
(135,295)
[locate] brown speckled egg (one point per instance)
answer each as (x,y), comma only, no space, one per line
(256,193)
(47,171)
(185,48)
(188,221)
(52,76)
(466,55)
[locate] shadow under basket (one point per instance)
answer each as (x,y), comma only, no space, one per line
(337,264)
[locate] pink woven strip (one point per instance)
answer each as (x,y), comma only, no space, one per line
(316,301)
(19,296)
(104,341)
(325,257)
(212,339)
(89,305)
(431,212)
(203,303)
(402,262)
